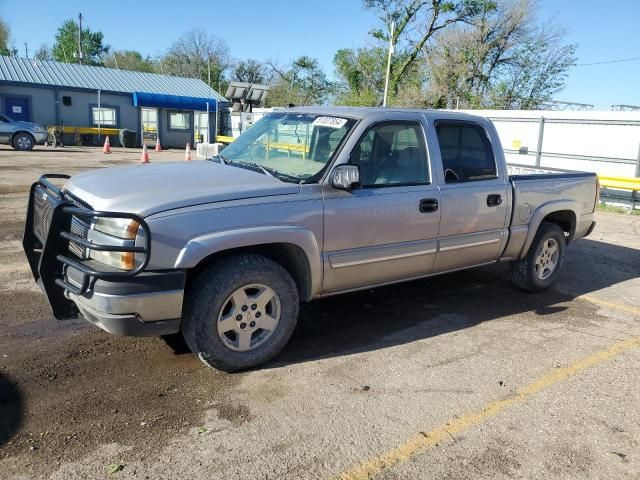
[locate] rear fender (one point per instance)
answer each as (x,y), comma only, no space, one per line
(539,215)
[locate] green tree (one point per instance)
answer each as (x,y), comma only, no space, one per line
(250,71)
(300,83)
(130,60)
(4,39)
(65,48)
(361,76)
(416,24)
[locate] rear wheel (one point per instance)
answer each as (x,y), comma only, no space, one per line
(240,312)
(540,267)
(23,141)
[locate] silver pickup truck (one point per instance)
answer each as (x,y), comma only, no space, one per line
(308,202)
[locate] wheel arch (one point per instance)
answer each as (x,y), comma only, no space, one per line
(18,132)
(295,248)
(562,213)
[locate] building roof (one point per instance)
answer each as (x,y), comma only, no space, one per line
(48,72)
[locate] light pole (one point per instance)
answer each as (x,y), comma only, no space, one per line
(386,81)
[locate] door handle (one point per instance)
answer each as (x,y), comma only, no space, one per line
(494,200)
(428,205)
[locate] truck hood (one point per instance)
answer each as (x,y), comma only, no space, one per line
(152,188)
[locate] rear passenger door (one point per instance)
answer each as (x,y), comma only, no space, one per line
(386,230)
(474,196)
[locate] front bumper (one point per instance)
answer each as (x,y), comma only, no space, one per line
(40,137)
(148,305)
(133,302)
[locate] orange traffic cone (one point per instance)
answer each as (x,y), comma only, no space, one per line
(107,146)
(144,158)
(187,152)
(158,147)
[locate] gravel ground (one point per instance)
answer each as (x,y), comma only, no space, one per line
(363,375)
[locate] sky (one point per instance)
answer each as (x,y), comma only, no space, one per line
(284,29)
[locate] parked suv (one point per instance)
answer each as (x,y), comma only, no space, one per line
(20,135)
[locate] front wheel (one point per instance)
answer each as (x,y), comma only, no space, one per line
(23,141)
(540,267)
(240,312)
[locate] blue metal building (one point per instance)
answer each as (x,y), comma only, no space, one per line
(178,109)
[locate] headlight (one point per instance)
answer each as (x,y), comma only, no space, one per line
(125,232)
(117,227)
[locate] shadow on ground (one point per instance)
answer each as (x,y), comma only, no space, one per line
(11,408)
(384,317)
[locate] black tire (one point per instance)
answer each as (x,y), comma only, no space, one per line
(209,294)
(523,272)
(23,141)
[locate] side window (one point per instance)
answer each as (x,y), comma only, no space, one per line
(179,120)
(392,153)
(466,152)
(105,116)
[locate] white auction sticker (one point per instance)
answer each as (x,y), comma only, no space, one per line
(331,122)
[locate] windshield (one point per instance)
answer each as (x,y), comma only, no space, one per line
(294,147)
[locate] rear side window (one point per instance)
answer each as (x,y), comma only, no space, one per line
(466,152)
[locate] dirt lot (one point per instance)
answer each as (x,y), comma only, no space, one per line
(460,376)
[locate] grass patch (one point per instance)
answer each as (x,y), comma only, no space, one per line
(612,209)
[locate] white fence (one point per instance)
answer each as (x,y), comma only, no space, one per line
(607,143)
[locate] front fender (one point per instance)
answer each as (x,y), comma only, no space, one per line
(199,248)
(539,215)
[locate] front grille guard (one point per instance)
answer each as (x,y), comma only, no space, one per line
(48,259)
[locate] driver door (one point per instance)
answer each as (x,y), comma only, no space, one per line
(386,230)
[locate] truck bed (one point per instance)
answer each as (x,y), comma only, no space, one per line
(571,196)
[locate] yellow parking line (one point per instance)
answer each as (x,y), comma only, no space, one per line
(614,306)
(426,440)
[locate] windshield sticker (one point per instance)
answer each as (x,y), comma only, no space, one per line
(331,122)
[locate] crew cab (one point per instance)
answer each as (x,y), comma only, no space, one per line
(308,202)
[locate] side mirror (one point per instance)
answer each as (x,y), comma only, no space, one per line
(345,177)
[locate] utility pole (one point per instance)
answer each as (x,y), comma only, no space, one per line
(80,38)
(26,50)
(386,81)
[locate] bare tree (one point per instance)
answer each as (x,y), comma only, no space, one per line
(43,53)
(250,71)
(197,53)
(502,59)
